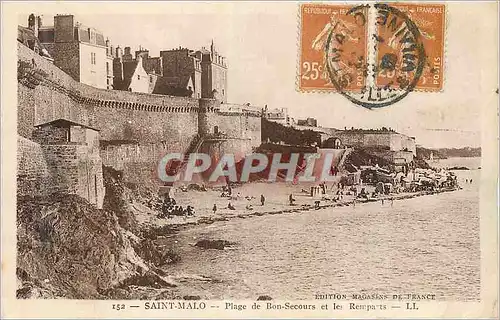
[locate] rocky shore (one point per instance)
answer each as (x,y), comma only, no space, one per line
(67,248)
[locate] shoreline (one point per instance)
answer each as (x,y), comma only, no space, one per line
(210,219)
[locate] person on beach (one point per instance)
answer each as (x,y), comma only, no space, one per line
(316,204)
(262,199)
(230,206)
(354,203)
(214,209)
(291,200)
(323,187)
(382,201)
(392,202)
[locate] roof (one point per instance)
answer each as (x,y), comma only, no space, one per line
(64,123)
(152,65)
(128,72)
(83,35)
(204,51)
(177,82)
(174,86)
(26,34)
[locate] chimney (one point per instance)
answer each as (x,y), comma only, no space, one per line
(108,51)
(127,56)
(39,21)
(142,52)
(31,21)
(64,28)
(34,23)
(118,72)
(119,52)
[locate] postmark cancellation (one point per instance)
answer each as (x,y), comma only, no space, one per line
(374,54)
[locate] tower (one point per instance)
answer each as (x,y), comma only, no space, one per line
(213,74)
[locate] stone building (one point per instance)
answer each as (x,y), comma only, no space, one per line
(182,72)
(62,157)
(142,73)
(309,122)
(213,73)
(129,73)
(277,115)
(78,50)
(196,74)
(153,67)
(143,126)
(109,65)
(386,143)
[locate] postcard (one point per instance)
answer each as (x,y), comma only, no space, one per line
(249,160)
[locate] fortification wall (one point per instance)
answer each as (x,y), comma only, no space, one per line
(378,139)
(393,141)
(117,114)
(405,142)
(175,129)
(364,139)
(241,126)
(46,93)
(350,139)
(138,162)
(33,173)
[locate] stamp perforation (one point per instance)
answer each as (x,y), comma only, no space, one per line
(311,89)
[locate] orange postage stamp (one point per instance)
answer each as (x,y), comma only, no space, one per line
(430,21)
(373,54)
(320,24)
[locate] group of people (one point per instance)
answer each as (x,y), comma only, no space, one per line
(468,180)
(230,206)
(169,209)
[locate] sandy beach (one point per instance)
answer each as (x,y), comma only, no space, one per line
(276,202)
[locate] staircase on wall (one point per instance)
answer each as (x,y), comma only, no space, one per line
(180,165)
(343,158)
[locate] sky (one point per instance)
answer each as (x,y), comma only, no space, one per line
(260,41)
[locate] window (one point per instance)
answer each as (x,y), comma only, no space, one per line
(138,77)
(107,67)
(150,79)
(92,58)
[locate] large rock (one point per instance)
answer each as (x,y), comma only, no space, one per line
(68,248)
(214,244)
